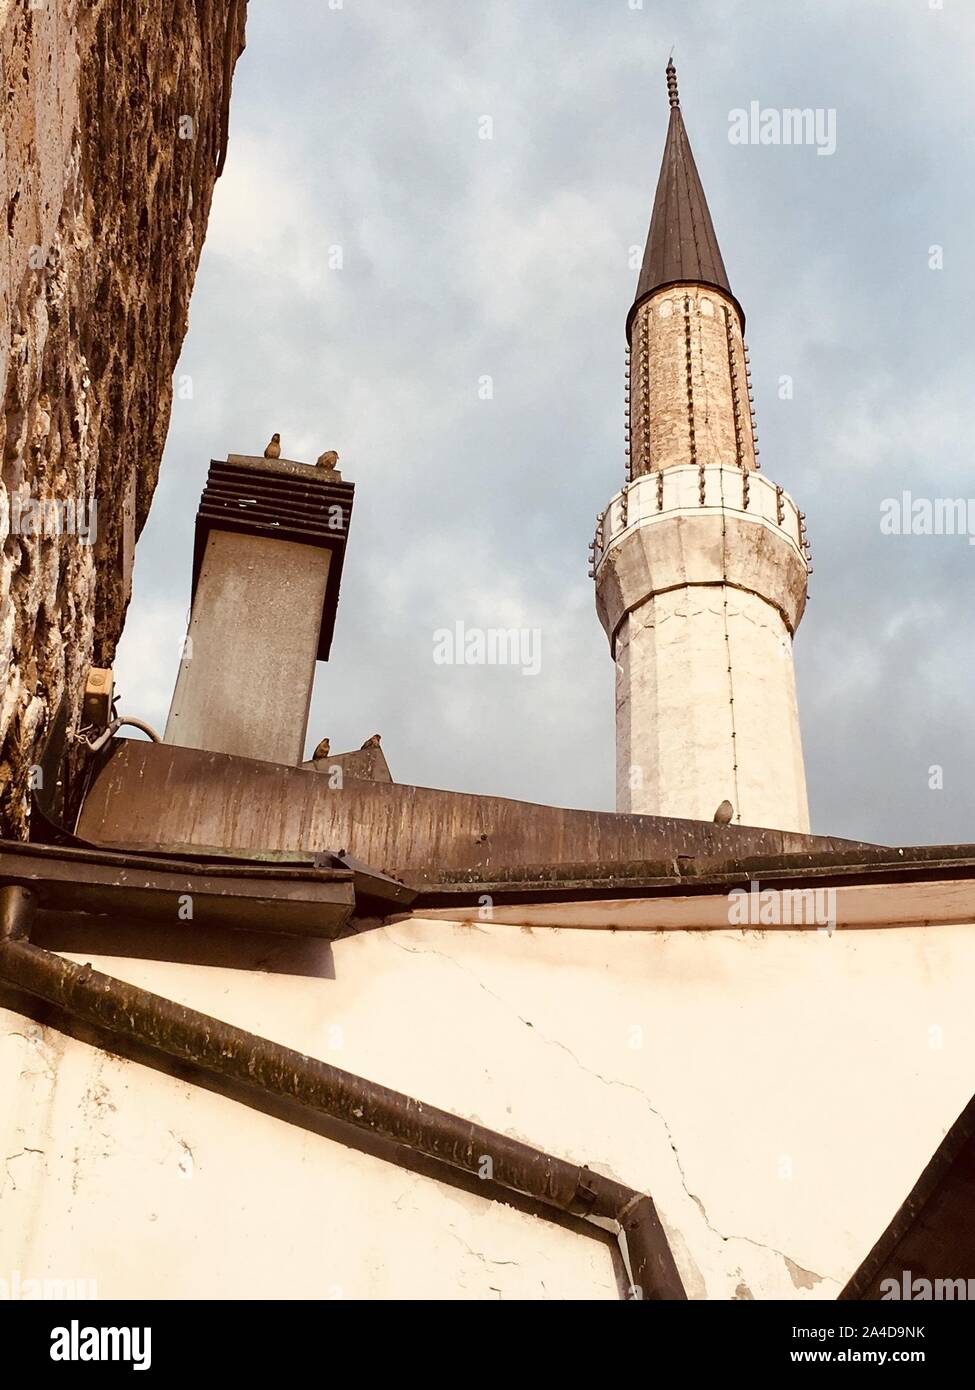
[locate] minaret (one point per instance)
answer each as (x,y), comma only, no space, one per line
(700,562)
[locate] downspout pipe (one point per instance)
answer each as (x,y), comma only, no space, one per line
(165,1027)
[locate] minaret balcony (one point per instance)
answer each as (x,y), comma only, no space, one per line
(700,526)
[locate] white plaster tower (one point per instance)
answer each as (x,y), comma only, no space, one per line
(700,562)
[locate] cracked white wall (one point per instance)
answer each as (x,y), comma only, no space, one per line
(145,1187)
(778,1093)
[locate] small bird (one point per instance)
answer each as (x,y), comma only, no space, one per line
(328,460)
(724,813)
(372,742)
(273,450)
(322,751)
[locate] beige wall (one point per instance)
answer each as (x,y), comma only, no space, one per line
(154,1189)
(778,1093)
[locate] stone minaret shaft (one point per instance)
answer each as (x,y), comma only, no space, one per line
(700,563)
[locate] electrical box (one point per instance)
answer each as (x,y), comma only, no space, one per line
(99,689)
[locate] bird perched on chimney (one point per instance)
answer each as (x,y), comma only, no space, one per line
(328,460)
(322,750)
(372,742)
(273,450)
(724,813)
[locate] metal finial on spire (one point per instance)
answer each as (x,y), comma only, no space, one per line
(672,83)
(681,246)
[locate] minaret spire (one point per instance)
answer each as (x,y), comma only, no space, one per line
(682,247)
(700,561)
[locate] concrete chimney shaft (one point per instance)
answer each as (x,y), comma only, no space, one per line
(270,543)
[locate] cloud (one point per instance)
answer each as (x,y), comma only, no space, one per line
(508,257)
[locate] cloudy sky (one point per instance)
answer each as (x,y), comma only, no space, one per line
(361,127)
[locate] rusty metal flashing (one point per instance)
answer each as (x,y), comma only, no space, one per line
(689,875)
(447,849)
(293,899)
(165,1027)
(370,883)
(144,794)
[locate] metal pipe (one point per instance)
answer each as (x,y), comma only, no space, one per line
(96,744)
(130,721)
(223,1050)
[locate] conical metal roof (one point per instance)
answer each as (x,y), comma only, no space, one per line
(681,245)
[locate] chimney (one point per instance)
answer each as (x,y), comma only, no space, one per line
(270,542)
